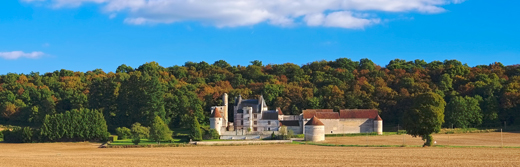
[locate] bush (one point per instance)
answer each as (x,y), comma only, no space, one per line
(114,138)
(123,133)
(2,135)
(401,132)
(139,132)
(211,134)
(18,135)
(136,140)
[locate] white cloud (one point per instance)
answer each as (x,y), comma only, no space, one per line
(232,13)
(20,54)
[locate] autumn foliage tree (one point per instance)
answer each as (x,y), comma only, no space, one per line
(425,116)
(176,93)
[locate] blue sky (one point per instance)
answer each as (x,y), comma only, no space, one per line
(82,35)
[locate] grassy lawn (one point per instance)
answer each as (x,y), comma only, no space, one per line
(143,142)
(181,131)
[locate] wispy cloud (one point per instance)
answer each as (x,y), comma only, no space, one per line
(20,54)
(353,14)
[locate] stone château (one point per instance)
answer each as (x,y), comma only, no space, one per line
(253,117)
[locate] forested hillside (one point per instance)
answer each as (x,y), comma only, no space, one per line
(485,95)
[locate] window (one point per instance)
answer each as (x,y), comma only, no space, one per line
(254,116)
(241,122)
(254,122)
(268,122)
(268,129)
(254,129)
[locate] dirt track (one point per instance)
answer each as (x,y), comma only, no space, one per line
(86,154)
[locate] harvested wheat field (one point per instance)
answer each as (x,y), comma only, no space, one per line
(87,154)
(464,139)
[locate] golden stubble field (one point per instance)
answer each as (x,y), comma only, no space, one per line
(87,154)
(464,139)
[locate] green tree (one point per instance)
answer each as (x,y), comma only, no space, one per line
(195,131)
(139,132)
(123,133)
(425,116)
(159,131)
(463,112)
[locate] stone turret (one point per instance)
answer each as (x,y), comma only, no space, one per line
(378,125)
(226,109)
(215,121)
(314,130)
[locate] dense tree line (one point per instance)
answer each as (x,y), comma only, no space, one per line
(74,125)
(485,95)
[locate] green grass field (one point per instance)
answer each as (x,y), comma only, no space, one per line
(143,142)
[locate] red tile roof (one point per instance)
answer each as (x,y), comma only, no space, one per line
(342,114)
(279,111)
(358,113)
(322,115)
(308,114)
(378,118)
(216,113)
(314,121)
(320,110)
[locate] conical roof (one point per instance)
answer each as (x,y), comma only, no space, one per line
(378,118)
(315,121)
(216,114)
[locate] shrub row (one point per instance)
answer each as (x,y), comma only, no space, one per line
(74,125)
(151,145)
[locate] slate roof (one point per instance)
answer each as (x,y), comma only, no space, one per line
(290,123)
(314,121)
(216,114)
(270,115)
(250,101)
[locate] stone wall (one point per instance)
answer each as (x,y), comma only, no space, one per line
(295,129)
(245,132)
(339,126)
(290,117)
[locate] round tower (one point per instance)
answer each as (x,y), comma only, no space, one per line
(378,125)
(215,121)
(314,130)
(226,109)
